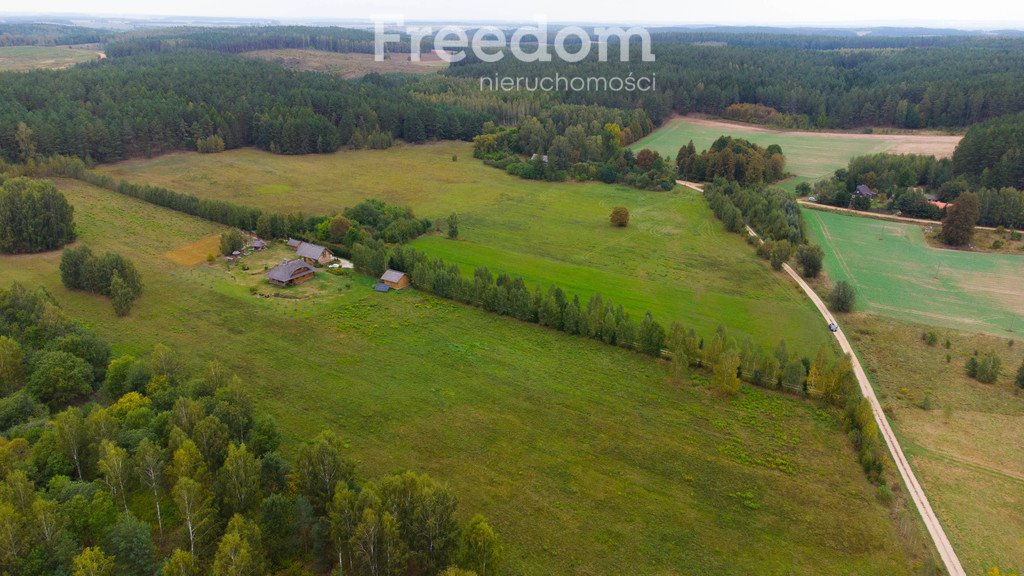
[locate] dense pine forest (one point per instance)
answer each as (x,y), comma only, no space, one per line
(178,88)
(947,85)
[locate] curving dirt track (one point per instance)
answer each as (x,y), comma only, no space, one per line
(931,522)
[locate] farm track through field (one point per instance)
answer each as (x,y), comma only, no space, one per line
(935,530)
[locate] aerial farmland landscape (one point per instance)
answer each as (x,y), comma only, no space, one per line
(303,290)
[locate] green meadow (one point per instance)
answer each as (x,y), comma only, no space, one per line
(588,459)
(21,58)
(810,156)
(674,259)
(897,274)
(962,437)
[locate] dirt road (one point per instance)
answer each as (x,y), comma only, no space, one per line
(931,522)
(862,214)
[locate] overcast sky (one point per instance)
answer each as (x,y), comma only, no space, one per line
(971,14)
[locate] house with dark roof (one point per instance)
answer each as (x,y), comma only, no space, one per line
(291,272)
(313,253)
(394,279)
(863,190)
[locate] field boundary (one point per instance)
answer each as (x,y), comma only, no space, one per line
(935,530)
(875,215)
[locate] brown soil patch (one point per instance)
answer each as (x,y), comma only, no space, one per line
(196,252)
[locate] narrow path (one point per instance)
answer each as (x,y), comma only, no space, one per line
(931,522)
(875,215)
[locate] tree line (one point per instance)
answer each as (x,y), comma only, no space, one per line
(904,179)
(132,466)
(38,34)
(370,218)
(728,362)
(249,38)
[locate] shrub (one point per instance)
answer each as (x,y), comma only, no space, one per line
(988,368)
(453,226)
(1020,376)
(619,216)
(810,257)
(972,367)
(843,297)
(230,242)
(780,253)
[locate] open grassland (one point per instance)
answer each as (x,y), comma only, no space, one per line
(349,65)
(586,458)
(897,274)
(21,58)
(674,259)
(810,156)
(963,438)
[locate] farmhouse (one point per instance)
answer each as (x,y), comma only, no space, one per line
(395,279)
(291,272)
(313,253)
(863,190)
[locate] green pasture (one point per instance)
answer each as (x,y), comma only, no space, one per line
(587,458)
(897,274)
(674,259)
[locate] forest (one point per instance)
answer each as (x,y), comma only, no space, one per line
(119,466)
(950,84)
(992,153)
(154,103)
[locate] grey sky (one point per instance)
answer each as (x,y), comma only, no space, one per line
(974,14)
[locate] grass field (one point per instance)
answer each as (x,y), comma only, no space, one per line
(586,458)
(21,58)
(966,447)
(897,274)
(674,259)
(809,155)
(348,65)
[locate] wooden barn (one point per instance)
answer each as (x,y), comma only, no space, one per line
(313,253)
(394,279)
(290,273)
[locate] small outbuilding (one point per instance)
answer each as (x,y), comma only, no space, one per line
(258,244)
(293,243)
(394,279)
(864,190)
(291,272)
(314,253)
